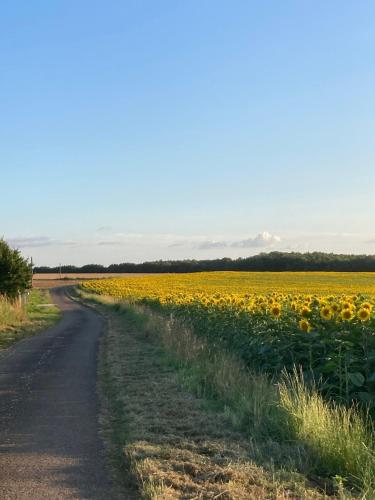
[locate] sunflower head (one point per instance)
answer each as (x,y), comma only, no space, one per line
(305,311)
(304,325)
(326,313)
(276,310)
(347,305)
(366,305)
(363,314)
(335,307)
(347,314)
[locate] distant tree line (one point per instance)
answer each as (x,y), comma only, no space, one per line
(273,261)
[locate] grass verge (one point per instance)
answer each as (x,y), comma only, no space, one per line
(178,432)
(19,321)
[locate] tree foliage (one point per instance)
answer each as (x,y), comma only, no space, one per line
(15,271)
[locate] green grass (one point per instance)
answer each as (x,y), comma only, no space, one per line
(343,439)
(18,321)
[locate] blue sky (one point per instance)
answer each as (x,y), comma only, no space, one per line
(138,130)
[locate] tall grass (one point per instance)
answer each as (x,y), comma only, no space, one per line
(12,313)
(343,439)
(216,374)
(21,318)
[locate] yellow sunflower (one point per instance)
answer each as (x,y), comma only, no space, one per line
(335,307)
(326,313)
(276,310)
(366,305)
(347,305)
(304,325)
(305,311)
(363,314)
(347,314)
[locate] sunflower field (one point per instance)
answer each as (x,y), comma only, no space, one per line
(321,323)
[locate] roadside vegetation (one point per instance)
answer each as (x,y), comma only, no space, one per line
(22,318)
(170,435)
(264,370)
(15,272)
(23,312)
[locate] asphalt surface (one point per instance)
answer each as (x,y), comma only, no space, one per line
(50,446)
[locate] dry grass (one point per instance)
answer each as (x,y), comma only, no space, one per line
(12,313)
(18,321)
(173,446)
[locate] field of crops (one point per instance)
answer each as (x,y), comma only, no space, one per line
(321,322)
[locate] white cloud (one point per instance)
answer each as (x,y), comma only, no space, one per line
(262,240)
(207,245)
(38,241)
(35,242)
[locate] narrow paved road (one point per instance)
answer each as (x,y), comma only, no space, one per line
(49,442)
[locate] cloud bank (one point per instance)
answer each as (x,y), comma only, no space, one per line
(37,242)
(33,242)
(262,240)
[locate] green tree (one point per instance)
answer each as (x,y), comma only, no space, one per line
(15,271)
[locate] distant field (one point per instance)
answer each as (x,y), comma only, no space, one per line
(50,280)
(81,276)
(235,282)
(228,282)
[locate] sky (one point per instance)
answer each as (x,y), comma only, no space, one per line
(142,130)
